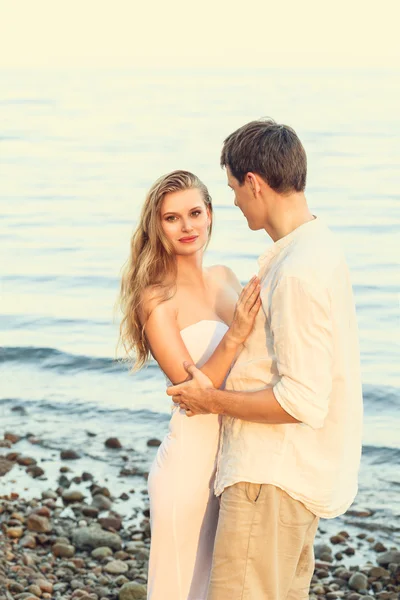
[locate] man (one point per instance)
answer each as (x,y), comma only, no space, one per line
(292,407)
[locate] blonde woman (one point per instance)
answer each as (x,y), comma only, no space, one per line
(176,310)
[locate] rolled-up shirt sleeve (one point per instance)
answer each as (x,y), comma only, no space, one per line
(301,325)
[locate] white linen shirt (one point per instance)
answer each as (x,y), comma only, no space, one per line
(305,346)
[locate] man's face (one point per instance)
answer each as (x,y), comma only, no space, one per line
(247,201)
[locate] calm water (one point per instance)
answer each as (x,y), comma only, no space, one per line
(78,152)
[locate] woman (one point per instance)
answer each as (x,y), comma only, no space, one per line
(176,310)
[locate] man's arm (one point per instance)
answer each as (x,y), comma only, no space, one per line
(258,407)
(302,330)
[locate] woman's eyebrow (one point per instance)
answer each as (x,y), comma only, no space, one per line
(171,212)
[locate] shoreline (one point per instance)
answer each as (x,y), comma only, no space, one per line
(68,533)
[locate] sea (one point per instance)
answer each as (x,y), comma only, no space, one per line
(78,151)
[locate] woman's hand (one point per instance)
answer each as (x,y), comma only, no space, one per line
(246,310)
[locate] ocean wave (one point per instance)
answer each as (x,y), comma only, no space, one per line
(50,358)
(377,398)
(381,454)
(26,407)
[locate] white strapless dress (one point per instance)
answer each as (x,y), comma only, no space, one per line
(183,508)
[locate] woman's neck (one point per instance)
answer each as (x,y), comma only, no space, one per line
(190,269)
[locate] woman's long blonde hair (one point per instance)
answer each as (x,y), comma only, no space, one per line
(151,263)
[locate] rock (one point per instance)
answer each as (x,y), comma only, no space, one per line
(90,511)
(38,523)
(321,549)
(12,437)
(63,550)
(69,455)
(28,541)
(20,409)
(26,461)
(116,567)
(391,556)
(49,494)
(143,554)
(128,471)
(349,551)
(113,442)
(153,442)
(94,537)
(86,476)
(35,590)
(35,471)
(379,547)
(15,532)
(378,572)
(77,585)
(96,489)
(101,502)
(101,552)
(358,581)
(110,522)
(339,556)
(16,587)
(45,586)
(70,496)
(132,591)
(337,539)
(5,466)
(344,534)
(359,512)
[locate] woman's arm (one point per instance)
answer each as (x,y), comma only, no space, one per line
(168,347)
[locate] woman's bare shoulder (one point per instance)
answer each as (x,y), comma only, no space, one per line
(159,298)
(224,274)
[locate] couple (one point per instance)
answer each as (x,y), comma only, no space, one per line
(265,432)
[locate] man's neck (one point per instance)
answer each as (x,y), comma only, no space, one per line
(291,213)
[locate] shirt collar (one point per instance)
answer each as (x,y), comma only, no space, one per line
(288,239)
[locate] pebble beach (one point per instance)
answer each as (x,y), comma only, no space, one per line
(78,539)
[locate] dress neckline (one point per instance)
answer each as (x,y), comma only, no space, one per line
(203,321)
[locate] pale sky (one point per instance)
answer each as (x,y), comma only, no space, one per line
(181,33)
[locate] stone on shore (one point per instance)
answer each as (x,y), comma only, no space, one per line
(70,496)
(153,443)
(392,556)
(132,591)
(101,552)
(5,466)
(358,582)
(69,455)
(101,502)
(12,437)
(63,550)
(35,471)
(39,524)
(26,461)
(94,537)
(113,442)
(116,567)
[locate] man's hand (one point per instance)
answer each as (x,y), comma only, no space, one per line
(193,395)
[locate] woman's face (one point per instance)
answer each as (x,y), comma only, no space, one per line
(185,220)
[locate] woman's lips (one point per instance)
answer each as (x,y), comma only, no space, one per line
(187,240)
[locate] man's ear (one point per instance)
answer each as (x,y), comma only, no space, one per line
(254,183)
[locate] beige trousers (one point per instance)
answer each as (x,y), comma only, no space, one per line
(264,548)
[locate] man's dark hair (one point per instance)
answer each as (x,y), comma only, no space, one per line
(270,150)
